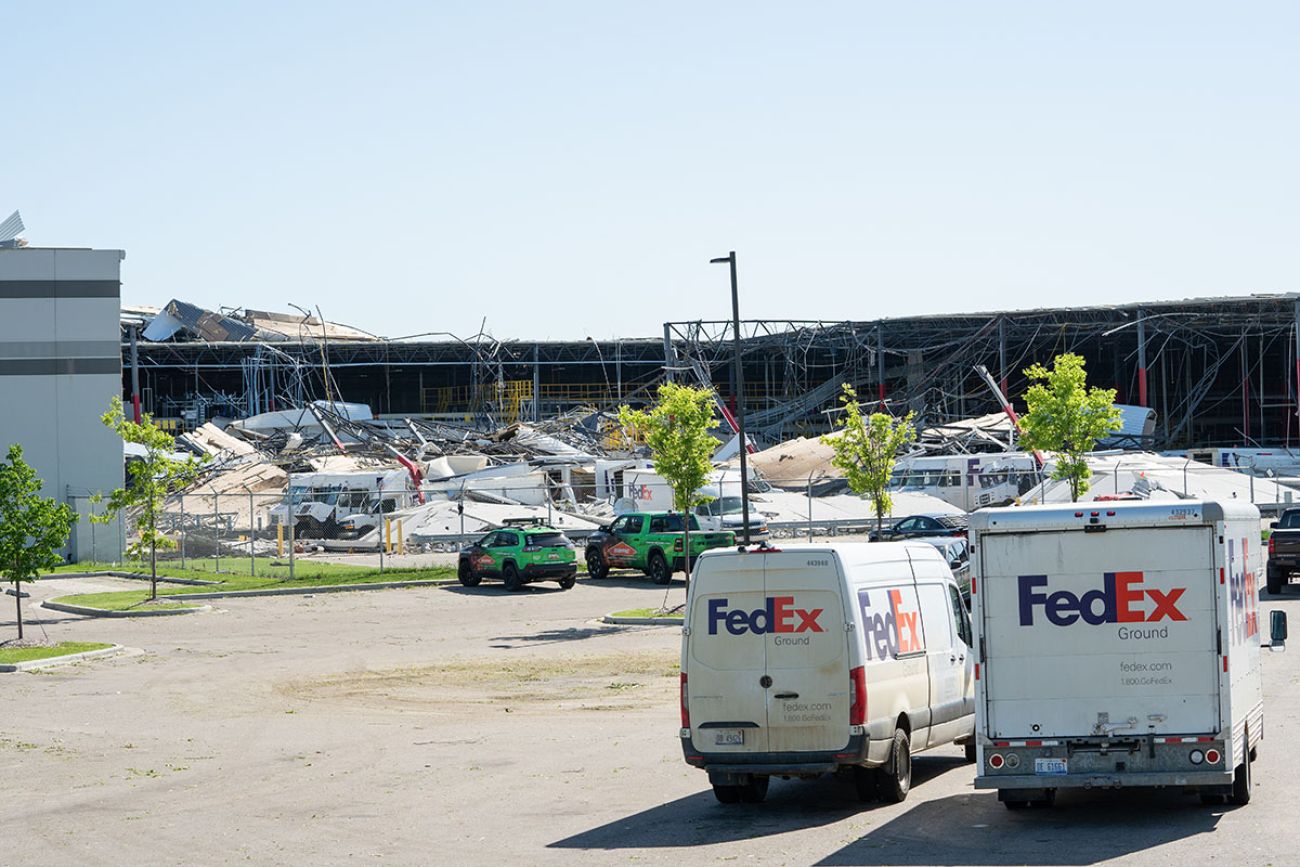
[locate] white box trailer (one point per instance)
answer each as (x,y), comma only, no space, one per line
(1117,645)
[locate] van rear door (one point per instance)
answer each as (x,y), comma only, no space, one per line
(807,652)
(726,659)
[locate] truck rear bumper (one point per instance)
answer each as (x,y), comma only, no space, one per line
(1104,781)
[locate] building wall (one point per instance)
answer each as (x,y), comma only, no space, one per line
(60,364)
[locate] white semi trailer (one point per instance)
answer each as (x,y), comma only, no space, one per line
(1118,644)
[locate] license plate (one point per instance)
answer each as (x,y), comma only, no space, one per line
(1051,767)
(729,737)
(552,556)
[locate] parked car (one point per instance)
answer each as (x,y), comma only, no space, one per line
(956,550)
(1283,551)
(817,659)
(522,552)
(651,542)
(916,526)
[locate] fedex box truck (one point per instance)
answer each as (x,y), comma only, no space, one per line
(1117,645)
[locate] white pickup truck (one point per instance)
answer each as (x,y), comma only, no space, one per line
(1117,644)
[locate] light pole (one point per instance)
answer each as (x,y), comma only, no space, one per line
(739,374)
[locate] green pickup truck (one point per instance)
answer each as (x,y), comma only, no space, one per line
(651,542)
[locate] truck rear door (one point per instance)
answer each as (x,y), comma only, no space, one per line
(1099,633)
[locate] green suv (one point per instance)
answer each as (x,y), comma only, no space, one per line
(520,553)
(651,542)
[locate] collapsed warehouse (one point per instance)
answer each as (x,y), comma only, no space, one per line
(475,430)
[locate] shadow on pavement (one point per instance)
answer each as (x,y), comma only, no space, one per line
(699,819)
(1083,828)
(554,636)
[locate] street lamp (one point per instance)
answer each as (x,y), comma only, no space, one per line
(730,259)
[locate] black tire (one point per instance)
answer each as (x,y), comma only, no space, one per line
(1273,583)
(567,581)
(754,791)
(514,581)
(727,794)
(1048,799)
(658,568)
(894,780)
(1210,799)
(596,566)
(466,574)
(1241,784)
(864,783)
(971,753)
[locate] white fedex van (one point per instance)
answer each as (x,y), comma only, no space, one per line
(1118,645)
(814,659)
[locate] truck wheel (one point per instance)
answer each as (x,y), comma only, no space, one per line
(566,582)
(596,566)
(658,568)
(514,583)
(754,791)
(727,794)
(1273,583)
(330,529)
(894,780)
(1241,783)
(466,575)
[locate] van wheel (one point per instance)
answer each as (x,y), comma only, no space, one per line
(466,574)
(864,782)
(727,794)
(1241,784)
(658,571)
(894,780)
(566,582)
(514,583)
(596,566)
(970,753)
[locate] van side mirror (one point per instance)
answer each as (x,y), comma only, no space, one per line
(1277,630)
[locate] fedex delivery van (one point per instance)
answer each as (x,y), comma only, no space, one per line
(818,659)
(1118,645)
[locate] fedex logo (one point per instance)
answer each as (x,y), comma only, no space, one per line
(894,630)
(1121,599)
(777,615)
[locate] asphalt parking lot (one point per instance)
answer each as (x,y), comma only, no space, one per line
(442,725)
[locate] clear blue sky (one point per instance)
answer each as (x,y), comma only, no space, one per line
(567,169)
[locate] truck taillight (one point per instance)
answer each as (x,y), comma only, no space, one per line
(1272,546)
(686,711)
(858,696)
(677,545)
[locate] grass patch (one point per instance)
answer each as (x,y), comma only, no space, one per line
(648,612)
(267,574)
(65,648)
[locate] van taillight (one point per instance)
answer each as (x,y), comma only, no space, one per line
(857,696)
(686,711)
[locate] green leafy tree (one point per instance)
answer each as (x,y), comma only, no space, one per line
(32,528)
(149,482)
(866,449)
(677,431)
(1066,418)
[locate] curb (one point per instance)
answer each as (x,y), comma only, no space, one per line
(61,660)
(641,621)
(132,576)
(300,591)
(104,612)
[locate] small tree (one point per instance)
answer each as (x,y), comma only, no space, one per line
(866,449)
(1066,418)
(677,431)
(32,528)
(150,480)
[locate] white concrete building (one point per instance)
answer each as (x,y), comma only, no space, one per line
(60,365)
